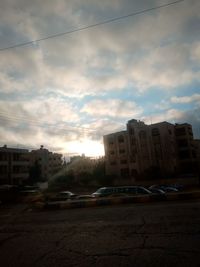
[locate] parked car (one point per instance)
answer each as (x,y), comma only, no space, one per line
(179,187)
(156,191)
(62,196)
(29,192)
(82,197)
(164,188)
(8,193)
(120,191)
(170,189)
(28,187)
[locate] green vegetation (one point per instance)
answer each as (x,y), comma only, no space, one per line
(35,174)
(71,177)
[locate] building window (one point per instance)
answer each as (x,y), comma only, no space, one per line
(3,169)
(133,142)
(110,141)
(123,161)
(155,132)
(3,156)
(182,142)
(121,151)
(16,169)
(113,163)
(112,152)
(134,173)
(16,157)
(180,131)
(131,131)
(124,172)
(142,134)
(132,159)
(121,139)
(184,154)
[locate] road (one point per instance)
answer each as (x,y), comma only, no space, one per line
(154,234)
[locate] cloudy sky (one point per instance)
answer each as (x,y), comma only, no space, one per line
(67,92)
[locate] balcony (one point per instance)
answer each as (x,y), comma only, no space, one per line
(20,163)
(3,163)
(20,175)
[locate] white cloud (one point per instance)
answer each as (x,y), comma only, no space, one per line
(177,116)
(166,67)
(40,110)
(171,115)
(138,54)
(158,49)
(112,108)
(186,99)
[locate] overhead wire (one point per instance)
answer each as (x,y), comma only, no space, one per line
(42,124)
(90,26)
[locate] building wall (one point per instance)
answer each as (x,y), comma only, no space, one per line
(197,149)
(147,148)
(14,165)
(50,162)
(163,147)
(116,154)
(140,156)
(187,154)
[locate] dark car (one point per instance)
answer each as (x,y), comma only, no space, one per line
(62,196)
(120,191)
(83,197)
(29,192)
(179,187)
(8,193)
(164,188)
(156,191)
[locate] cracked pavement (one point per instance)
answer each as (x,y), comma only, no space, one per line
(156,234)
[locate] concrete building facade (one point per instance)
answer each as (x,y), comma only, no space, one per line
(49,162)
(187,151)
(14,165)
(116,154)
(143,149)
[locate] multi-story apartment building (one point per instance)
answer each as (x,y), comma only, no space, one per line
(116,154)
(14,165)
(163,146)
(146,148)
(197,149)
(187,151)
(49,162)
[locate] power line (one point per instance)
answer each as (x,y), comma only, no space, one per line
(41,124)
(90,26)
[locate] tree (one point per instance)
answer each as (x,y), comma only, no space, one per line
(85,178)
(62,179)
(35,173)
(99,170)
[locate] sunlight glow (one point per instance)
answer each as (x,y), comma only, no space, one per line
(88,147)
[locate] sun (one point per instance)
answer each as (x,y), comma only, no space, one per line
(87,147)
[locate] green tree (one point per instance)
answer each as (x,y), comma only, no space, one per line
(85,178)
(35,173)
(62,179)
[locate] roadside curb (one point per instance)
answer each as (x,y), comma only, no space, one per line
(115,201)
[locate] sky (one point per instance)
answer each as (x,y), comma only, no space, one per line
(67,92)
